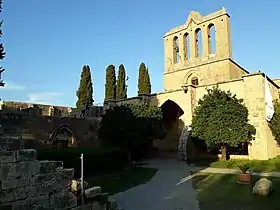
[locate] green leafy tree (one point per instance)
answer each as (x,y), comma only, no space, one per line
(121,91)
(2,53)
(274,124)
(85,91)
(110,85)
(222,120)
(144,83)
(131,127)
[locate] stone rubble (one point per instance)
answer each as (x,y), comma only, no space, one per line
(29,184)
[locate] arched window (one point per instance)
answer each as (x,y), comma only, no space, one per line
(198,43)
(194,81)
(211,39)
(176,50)
(187,46)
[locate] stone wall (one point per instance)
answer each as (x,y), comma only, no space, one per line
(26,183)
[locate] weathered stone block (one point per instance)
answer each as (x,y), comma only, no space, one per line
(10,143)
(83,207)
(8,156)
(92,192)
(27,155)
(22,205)
(47,166)
(15,170)
(63,200)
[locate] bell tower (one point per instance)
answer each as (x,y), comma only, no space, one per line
(199,52)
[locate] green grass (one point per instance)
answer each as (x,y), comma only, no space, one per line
(270,165)
(255,165)
(122,181)
(220,191)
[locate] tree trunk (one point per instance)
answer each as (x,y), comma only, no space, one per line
(224,152)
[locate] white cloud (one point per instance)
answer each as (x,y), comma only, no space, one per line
(12,86)
(43,98)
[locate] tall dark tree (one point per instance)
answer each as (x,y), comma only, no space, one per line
(144,83)
(2,53)
(85,91)
(110,85)
(148,86)
(121,92)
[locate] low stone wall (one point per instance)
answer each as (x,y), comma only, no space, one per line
(29,184)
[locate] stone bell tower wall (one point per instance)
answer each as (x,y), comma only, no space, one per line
(190,51)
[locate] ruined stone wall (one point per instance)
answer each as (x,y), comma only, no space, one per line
(36,130)
(26,183)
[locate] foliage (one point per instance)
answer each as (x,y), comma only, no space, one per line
(131,126)
(2,53)
(144,83)
(110,85)
(85,90)
(96,161)
(222,119)
(274,124)
(244,168)
(255,165)
(121,91)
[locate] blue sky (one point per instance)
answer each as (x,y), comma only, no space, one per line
(48,41)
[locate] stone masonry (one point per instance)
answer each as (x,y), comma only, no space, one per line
(26,183)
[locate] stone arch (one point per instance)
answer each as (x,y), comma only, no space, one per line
(211,34)
(198,42)
(187,46)
(176,50)
(172,112)
(68,129)
(190,76)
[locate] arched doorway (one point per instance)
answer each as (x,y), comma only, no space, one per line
(63,137)
(173,126)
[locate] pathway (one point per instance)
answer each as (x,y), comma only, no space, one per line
(169,189)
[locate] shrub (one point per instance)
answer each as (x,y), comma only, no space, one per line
(96,161)
(131,127)
(274,124)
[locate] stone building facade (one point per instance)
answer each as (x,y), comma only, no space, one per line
(195,61)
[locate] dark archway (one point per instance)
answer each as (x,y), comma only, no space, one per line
(63,130)
(172,124)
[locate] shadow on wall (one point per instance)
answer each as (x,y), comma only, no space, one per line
(40,131)
(172,125)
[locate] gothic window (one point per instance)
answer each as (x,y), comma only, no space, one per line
(194,81)
(211,39)
(198,43)
(176,50)
(187,46)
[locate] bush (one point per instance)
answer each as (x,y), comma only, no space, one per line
(132,127)
(96,161)
(274,124)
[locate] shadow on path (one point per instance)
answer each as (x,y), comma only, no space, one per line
(170,189)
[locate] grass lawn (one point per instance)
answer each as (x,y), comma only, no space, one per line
(122,181)
(220,192)
(255,165)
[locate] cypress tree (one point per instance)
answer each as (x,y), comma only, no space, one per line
(148,86)
(121,86)
(2,53)
(110,85)
(85,91)
(144,83)
(141,79)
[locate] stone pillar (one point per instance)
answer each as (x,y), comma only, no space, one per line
(255,102)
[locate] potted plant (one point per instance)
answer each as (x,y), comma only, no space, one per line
(244,177)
